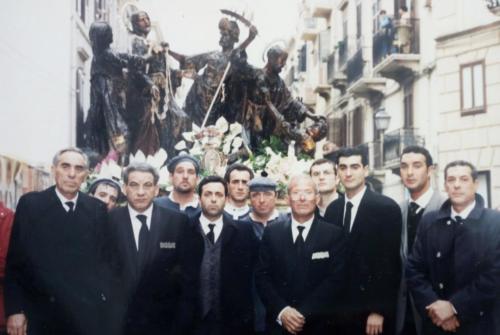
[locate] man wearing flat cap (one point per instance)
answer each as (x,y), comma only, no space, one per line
(107,190)
(263,197)
(184,175)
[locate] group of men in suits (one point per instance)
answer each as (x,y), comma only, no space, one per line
(355,263)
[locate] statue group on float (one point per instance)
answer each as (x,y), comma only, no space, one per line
(132,104)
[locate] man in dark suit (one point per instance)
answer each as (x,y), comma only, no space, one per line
(226,254)
(454,269)
(373,225)
(416,169)
(154,270)
(324,174)
(57,279)
(300,269)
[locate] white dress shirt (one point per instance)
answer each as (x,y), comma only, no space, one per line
(465,213)
(423,200)
(217,229)
(306,225)
(136,224)
(63,200)
(355,201)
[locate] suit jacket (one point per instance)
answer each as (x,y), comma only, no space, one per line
(57,267)
(238,258)
(434,204)
(373,261)
(154,295)
(322,282)
(465,272)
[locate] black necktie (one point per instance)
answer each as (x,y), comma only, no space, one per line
(71,205)
(413,208)
(299,242)
(347,217)
(458,219)
(210,234)
(143,239)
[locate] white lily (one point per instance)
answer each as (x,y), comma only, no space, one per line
(181,145)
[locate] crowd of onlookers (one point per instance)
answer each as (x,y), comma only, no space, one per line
(218,256)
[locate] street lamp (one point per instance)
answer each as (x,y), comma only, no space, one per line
(382,120)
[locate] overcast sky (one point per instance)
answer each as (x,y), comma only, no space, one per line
(190,26)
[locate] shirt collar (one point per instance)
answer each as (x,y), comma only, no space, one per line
(236,211)
(306,225)
(204,221)
(63,199)
(357,198)
(273,216)
(148,212)
(424,199)
(193,203)
(465,213)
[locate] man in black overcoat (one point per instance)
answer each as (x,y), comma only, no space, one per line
(154,267)
(300,271)
(57,275)
(453,271)
(372,223)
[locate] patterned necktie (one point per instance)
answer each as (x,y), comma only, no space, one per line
(71,206)
(347,217)
(210,234)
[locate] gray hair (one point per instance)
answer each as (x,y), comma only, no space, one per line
(296,178)
(57,156)
(140,167)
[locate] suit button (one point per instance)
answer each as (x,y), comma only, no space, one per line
(438,254)
(481,313)
(448,222)
(103,297)
(441,286)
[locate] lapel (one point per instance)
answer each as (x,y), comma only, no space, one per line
(436,201)
(228,230)
(288,249)
(127,237)
(404,229)
(154,236)
(360,218)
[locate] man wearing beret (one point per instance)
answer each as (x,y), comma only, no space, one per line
(263,213)
(184,175)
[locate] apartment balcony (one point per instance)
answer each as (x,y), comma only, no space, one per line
(396,53)
(310,29)
(493,6)
(395,142)
(321,8)
(342,49)
(354,67)
(335,77)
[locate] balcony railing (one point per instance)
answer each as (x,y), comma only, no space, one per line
(492,4)
(396,141)
(343,47)
(355,65)
(402,38)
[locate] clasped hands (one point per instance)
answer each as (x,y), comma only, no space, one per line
(292,320)
(443,315)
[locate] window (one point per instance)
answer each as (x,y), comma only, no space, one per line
(359,25)
(472,90)
(81,9)
(357,126)
(408,106)
(484,188)
(80,112)
(100,10)
(303,59)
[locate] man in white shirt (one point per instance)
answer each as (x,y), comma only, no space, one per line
(226,253)
(454,269)
(372,223)
(153,267)
(300,271)
(416,168)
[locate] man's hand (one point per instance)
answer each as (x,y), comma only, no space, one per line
(440,311)
(451,324)
(374,324)
(17,324)
(292,320)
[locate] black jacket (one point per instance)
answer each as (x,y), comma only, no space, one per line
(320,285)
(238,258)
(57,267)
(374,265)
(157,300)
(461,264)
